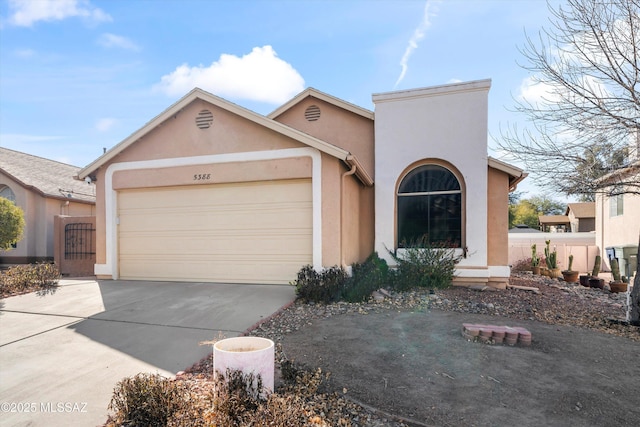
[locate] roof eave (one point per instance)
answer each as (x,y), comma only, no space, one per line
(361,172)
(197,93)
(368,114)
(516,175)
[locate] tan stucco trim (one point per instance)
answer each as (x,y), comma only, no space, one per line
(196,94)
(463,190)
(324,97)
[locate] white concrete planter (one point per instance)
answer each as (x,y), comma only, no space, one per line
(247,354)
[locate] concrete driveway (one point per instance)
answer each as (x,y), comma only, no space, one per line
(62,354)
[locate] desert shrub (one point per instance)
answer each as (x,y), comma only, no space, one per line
(237,400)
(322,287)
(424,265)
(145,400)
(366,278)
(522,265)
(41,277)
(237,397)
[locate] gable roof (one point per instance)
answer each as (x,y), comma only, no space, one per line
(553,219)
(46,177)
(264,121)
(582,210)
(311,92)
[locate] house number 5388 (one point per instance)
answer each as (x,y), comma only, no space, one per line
(201,176)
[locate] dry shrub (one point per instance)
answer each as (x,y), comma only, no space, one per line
(145,399)
(233,400)
(42,278)
(522,265)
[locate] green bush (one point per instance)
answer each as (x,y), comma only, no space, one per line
(423,265)
(29,278)
(324,287)
(11,223)
(145,400)
(366,278)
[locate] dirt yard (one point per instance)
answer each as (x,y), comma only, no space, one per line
(416,364)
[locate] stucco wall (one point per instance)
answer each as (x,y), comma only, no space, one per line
(347,130)
(619,232)
(498,218)
(232,137)
(447,123)
(37,242)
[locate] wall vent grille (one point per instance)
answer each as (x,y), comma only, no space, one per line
(312,113)
(204,119)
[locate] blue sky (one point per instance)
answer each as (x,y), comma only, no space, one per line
(80,75)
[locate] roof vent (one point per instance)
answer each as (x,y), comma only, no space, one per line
(312,113)
(204,119)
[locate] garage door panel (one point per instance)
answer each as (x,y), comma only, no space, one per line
(217,218)
(284,243)
(240,233)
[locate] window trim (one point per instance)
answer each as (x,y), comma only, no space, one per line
(463,195)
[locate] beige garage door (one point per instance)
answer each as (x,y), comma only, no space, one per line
(258,232)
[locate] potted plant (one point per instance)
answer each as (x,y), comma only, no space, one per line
(569,275)
(594,280)
(535,260)
(617,285)
(551,259)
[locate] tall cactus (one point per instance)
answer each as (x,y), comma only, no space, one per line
(551,257)
(535,260)
(596,266)
(570,262)
(615,269)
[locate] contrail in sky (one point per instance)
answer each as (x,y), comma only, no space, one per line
(418,34)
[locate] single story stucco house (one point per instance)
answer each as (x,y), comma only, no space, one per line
(43,189)
(211,191)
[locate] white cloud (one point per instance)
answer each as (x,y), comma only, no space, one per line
(418,34)
(257,76)
(25,13)
(109,40)
(105,124)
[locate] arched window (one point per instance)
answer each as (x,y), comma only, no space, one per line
(7,193)
(430,208)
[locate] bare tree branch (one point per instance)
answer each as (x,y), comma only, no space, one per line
(585,121)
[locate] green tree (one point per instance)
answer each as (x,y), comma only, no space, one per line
(547,206)
(527,211)
(11,223)
(524,212)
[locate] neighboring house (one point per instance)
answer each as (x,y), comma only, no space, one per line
(618,221)
(554,223)
(582,216)
(210,191)
(43,189)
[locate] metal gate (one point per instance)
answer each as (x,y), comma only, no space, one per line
(78,241)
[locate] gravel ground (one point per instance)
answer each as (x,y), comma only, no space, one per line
(554,302)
